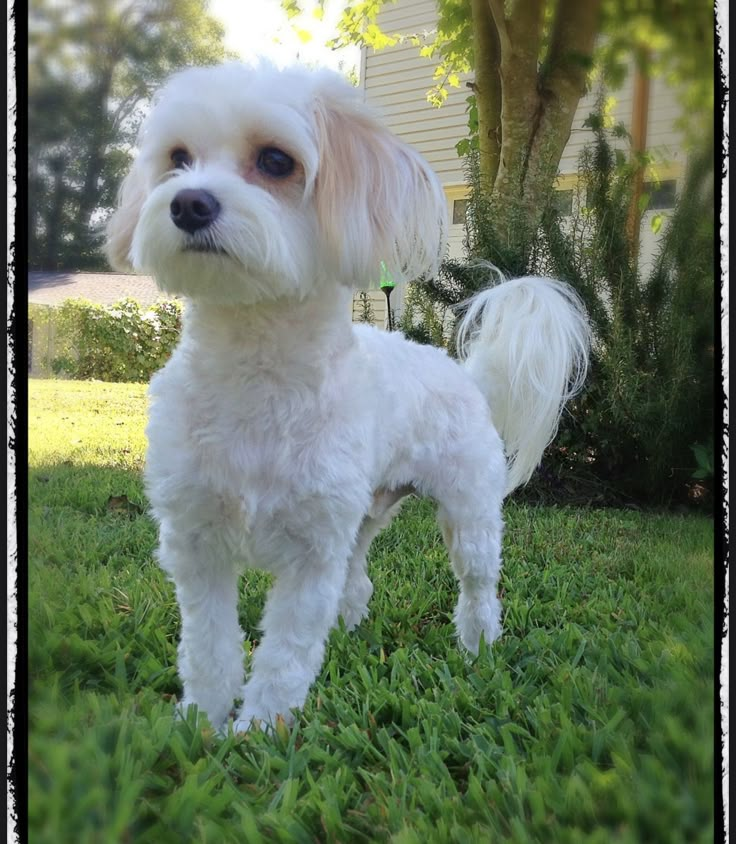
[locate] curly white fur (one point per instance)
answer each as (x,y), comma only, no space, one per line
(280,435)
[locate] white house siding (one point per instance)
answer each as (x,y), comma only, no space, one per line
(396,80)
(664,140)
(664,137)
(377,302)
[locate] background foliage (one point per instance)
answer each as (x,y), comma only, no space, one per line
(121,342)
(644,424)
(669,38)
(92,66)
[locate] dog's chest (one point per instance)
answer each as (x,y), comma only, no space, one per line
(265,473)
(260,442)
(254,442)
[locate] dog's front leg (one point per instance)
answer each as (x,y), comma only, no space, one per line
(210,647)
(300,610)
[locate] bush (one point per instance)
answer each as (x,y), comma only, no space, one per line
(424,318)
(120,342)
(365,308)
(647,410)
(650,395)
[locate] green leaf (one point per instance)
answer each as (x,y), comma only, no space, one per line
(292,8)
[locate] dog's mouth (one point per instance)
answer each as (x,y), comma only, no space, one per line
(205,246)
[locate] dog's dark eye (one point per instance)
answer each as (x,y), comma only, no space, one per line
(275,162)
(180,158)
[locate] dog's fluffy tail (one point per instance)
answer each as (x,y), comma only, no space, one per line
(525,342)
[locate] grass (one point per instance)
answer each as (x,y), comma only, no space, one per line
(591,720)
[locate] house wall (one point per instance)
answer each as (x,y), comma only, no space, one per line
(396,80)
(377,304)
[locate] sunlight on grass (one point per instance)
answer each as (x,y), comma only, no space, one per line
(589,720)
(87,423)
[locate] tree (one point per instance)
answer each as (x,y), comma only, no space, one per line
(93,65)
(647,407)
(532,61)
(527,96)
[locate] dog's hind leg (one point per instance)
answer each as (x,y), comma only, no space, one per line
(469,515)
(358,586)
(475,554)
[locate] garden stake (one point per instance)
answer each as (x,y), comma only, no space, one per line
(387,285)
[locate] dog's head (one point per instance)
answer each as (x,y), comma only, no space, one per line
(253,183)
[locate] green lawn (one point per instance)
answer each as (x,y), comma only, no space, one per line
(590,720)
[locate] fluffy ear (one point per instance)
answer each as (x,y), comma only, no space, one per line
(121,225)
(377,200)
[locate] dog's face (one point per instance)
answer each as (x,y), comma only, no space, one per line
(254,184)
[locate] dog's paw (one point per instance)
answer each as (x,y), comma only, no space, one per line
(188,708)
(352,616)
(246,722)
(260,711)
(354,604)
(475,618)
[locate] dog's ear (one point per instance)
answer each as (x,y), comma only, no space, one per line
(122,223)
(377,200)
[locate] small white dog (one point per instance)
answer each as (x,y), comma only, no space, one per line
(283,437)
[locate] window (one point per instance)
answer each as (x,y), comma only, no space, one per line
(562,202)
(662,195)
(459,211)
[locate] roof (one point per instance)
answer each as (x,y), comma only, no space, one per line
(52,288)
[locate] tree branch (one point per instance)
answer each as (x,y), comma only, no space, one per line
(499,19)
(487,90)
(525,27)
(125,108)
(561,84)
(571,47)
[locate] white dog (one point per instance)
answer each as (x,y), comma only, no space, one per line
(283,437)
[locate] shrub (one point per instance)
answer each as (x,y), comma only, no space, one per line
(649,396)
(424,318)
(120,342)
(365,308)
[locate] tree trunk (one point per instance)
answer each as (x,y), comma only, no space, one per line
(96,152)
(54,220)
(562,83)
(487,90)
(538,103)
(520,37)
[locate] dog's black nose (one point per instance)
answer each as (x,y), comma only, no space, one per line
(192,210)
